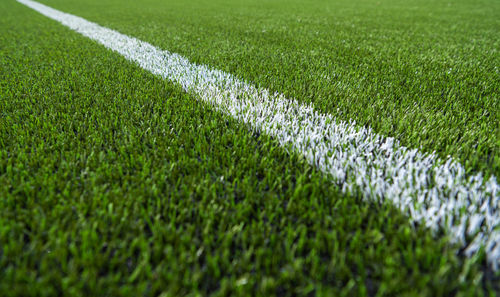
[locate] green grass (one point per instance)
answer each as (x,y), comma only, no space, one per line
(115,182)
(423,71)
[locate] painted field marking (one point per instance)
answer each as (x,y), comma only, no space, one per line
(431,191)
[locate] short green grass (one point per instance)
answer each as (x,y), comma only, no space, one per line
(116,183)
(424,71)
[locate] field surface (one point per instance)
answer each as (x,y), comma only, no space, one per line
(114,181)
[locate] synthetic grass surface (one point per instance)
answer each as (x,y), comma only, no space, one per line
(115,182)
(425,72)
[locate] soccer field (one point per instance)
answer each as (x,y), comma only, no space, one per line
(249,148)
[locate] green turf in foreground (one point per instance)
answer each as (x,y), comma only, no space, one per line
(114,182)
(423,71)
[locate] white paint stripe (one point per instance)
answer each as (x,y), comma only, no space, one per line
(434,192)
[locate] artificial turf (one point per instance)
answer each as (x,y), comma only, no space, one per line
(115,182)
(423,71)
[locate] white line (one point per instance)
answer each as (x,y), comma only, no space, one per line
(431,191)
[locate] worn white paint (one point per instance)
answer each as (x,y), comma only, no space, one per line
(431,191)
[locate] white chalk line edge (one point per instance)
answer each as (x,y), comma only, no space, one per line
(433,192)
